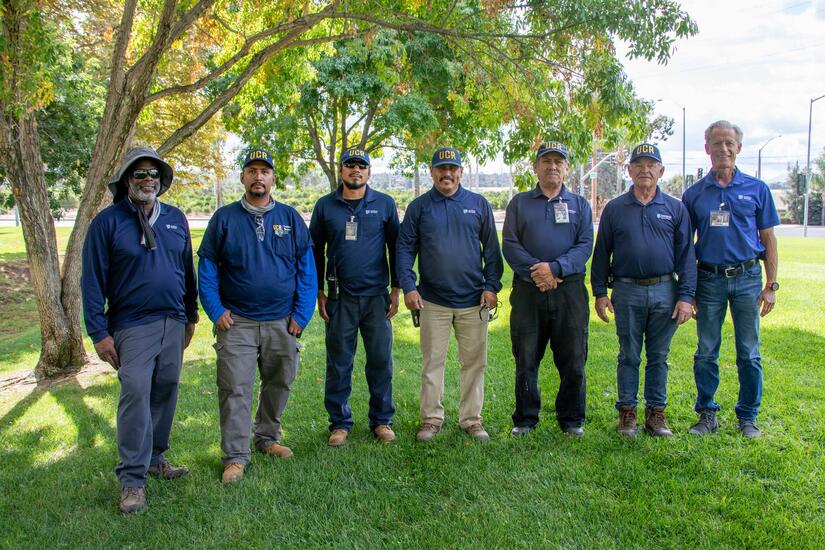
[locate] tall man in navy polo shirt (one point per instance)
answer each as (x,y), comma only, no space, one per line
(733,215)
(258,286)
(547,239)
(453,233)
(140,306)
(358,227)
(644,240)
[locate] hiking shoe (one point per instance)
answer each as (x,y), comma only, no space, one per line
(427,431)
(627,421)
(478,432)
(338,437)
(232,472)
(518,431)
(277,450)
(749,429)
(575,431)
(707,424)
(164,470)
(655,423)
(384,433)
(132,499)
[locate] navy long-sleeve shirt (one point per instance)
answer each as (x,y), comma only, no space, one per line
(261,280)
(456,243)
(361,263)
(641,241)
(139,286)
(531,234)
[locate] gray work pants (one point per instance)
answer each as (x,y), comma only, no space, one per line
(247,345)
(150,361)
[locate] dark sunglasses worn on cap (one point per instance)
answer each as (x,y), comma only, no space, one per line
(353,164)
(143,174)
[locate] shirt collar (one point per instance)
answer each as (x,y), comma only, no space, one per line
(630,198)
(735,180)
(436,195)
(564,194)
(369,195)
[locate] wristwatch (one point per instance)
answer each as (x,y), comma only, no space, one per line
(773,286)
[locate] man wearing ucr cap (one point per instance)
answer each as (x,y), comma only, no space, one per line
(258,286)
(644,250)
(357,227)
(140,307)
(453,233)
(734,216)
(547,239)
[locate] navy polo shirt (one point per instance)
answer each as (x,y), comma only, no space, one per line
(531,234)
(641,241)
(256,279)
(361,264)
(139,286)
(456,242)
(751,208)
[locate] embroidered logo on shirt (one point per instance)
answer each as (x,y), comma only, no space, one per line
(170,226)
(664,217)
(281,230)
(370,211)
(469,211)
(745,197)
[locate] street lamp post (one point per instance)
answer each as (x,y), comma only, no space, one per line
(683,150)
(808,168)
(759,156)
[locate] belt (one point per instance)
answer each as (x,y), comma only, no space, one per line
(728,270)
(644,282)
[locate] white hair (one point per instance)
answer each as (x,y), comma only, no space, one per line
(724,124)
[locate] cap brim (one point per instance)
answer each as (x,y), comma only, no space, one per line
(645,155)
(446,163)
(548,151)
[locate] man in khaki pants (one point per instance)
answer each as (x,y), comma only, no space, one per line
(453,233)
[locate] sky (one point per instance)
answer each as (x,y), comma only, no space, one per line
(755,63)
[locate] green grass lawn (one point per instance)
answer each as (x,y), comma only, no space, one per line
(57,451)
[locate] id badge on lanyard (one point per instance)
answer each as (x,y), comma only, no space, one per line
(351,230)
(720,218)
(561,213)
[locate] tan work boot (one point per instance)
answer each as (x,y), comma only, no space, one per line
(427,431)
(232,472)
(627,421)
(132,499)
(655,422)
(384,433)
(478,432)
(164,470)
(338,437)
(278,450)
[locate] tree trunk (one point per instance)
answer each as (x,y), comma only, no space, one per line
(417,181)
(61,340)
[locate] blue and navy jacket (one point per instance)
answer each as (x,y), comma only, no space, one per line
(456,243)
(123,284)
(261,280)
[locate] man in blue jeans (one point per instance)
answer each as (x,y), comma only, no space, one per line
(357,228)
(733,215)
(644,240)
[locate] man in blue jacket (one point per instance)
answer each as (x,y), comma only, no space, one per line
(258,286)
(453,233)
(140,307)
(547,239)
(645,249)
(358,227)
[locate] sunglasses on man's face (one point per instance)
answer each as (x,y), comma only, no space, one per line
(360,165)
(143,174)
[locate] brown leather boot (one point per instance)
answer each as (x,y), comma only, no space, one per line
(627,421)
(164,470)
(277,450)
(655,422)
(232,472)
(132,499)
(338,437)
(384,433)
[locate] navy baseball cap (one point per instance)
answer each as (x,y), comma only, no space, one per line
(355,154)
(552,147)
(645,150)
(258,154)
(446,155)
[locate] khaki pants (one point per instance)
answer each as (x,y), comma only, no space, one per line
(471,334)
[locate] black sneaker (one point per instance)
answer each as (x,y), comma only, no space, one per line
(707,424)
(518,431)
(749,429)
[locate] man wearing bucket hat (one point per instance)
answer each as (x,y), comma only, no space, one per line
(140,308)
(453,233)
(644,251)
(258,286)
(547,239)
(358,227)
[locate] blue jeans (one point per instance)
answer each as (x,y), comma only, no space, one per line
(643,312)
(713,294)
(347,315)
